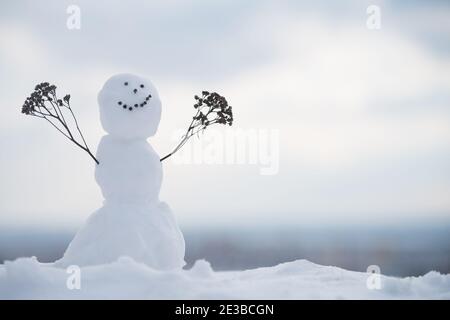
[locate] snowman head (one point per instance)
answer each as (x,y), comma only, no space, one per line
(129,107)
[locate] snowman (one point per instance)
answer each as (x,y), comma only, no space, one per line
(132,222)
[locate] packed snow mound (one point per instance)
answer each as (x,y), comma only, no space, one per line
(146,232)
(26,278)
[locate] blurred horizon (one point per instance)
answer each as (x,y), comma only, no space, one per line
(398,251)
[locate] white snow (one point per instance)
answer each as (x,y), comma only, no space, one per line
(146,232)
(132,222)
(26,278)
(129,171)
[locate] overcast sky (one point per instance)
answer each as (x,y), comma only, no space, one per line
(363,115)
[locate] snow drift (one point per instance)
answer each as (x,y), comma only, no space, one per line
(26,278)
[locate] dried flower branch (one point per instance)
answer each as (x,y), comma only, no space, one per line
(44,103)
(211,108)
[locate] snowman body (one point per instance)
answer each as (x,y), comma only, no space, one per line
(133,221)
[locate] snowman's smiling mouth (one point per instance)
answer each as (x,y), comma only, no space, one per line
(131,106)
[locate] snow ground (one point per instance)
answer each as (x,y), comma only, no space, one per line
(26,278)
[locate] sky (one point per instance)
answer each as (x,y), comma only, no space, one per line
(352,122)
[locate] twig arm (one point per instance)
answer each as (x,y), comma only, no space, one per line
(35,105)
(217,111)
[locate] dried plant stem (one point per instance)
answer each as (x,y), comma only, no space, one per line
(213,105)
(55,116)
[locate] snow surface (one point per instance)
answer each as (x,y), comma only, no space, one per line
(26,278)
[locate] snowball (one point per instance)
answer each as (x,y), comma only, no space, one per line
(147,233)
(129,170)
(130,107)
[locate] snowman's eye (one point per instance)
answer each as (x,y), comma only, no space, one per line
(142,86)
(125,83)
